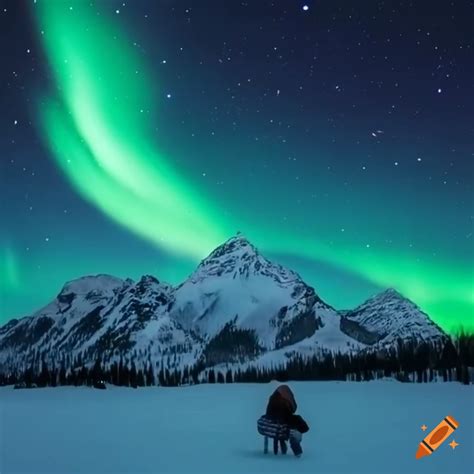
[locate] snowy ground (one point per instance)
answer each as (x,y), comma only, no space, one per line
(355,428)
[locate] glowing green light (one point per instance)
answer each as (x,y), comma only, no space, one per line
(102,141)
(9,270)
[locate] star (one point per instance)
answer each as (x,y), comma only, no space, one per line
(305,8)
(424,427)
(453,444)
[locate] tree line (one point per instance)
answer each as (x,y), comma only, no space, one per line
(451,360)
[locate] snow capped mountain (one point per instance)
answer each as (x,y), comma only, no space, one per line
(98,315)
(388,317)
(237,256)
(237,307)
(126,321)
(69,314)
(237,285)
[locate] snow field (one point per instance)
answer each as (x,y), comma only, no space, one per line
(371,427)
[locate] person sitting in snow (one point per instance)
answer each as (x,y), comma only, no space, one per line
(281,409)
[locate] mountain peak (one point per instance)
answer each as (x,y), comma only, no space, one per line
(151,283)
(237,246)
(389,316)
(389,298)
(148,280)
(389,293)
(85,284)
(238,258)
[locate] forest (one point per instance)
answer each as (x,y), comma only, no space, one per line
(450,361)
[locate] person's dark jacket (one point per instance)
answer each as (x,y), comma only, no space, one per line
(279,409)
(282,407)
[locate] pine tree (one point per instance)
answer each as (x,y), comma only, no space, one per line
(211,377)
(44,378)
(63,375)
(185,380)
(150,377)
(161,377)
(133,376)
(114,379)
(140,378)
(97,372)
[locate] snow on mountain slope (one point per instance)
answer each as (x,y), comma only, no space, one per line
(139,319)
(96,286)
(77,300)
(236,283)
(387,317)
(99,315)
(327,338)
(80,296)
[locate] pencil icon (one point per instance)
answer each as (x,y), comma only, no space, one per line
(437,437)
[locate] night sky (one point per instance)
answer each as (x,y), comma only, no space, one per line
(137,136)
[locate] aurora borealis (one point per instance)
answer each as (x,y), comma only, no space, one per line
(138,136)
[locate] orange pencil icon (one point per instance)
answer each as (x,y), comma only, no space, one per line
(437,437)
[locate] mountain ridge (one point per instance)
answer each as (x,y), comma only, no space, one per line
(233,291)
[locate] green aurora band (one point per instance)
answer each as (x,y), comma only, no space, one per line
(9,271)
(101,141)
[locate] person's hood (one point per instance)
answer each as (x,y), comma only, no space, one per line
(285,392)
